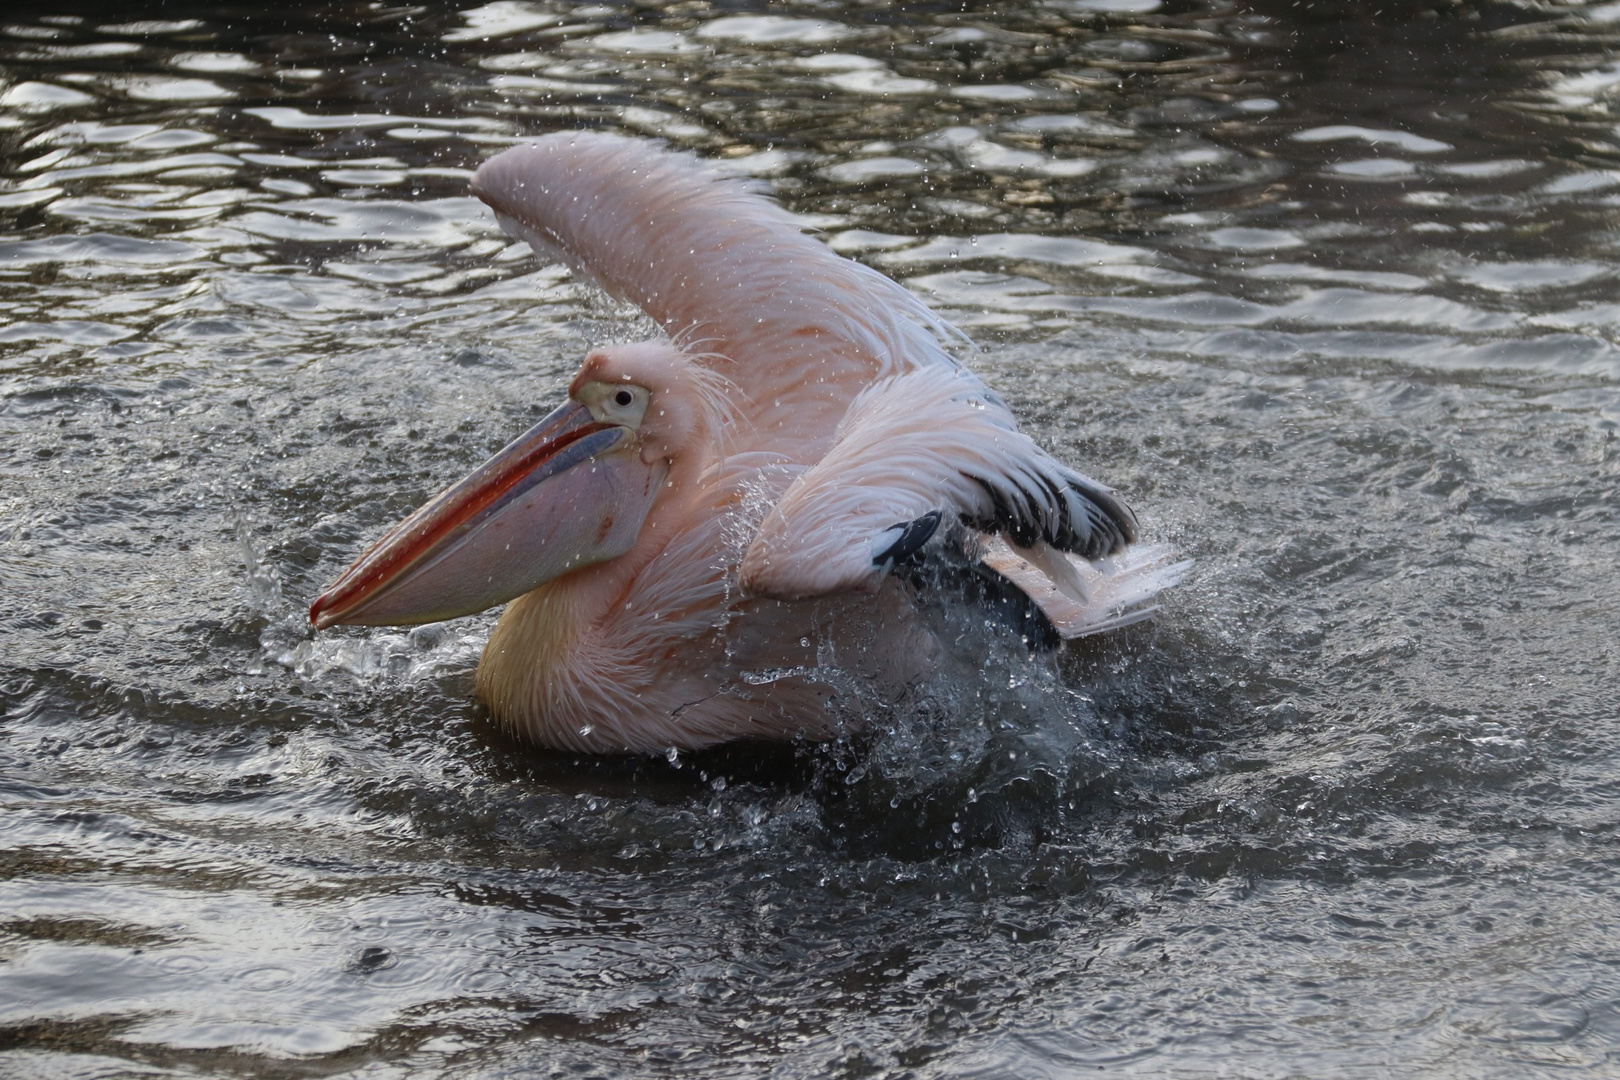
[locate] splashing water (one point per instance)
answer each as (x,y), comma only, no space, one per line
(1326,293)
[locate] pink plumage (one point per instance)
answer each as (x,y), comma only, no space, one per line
(722,526)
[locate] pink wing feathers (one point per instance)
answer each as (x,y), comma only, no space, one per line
(927,442)
(841,377)
(726,272)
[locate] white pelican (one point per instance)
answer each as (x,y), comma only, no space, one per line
(711,525)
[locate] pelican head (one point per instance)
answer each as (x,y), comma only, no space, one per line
(572,491)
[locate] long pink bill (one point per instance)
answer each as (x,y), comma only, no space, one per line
(569,492)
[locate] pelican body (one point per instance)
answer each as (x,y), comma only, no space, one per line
(721,526)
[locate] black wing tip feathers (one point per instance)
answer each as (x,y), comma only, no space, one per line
(1072,513)
(913,535)
(1112,524)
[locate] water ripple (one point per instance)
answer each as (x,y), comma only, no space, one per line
(1327,299)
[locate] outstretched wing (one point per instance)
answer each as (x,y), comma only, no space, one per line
(913,449)
(726,272)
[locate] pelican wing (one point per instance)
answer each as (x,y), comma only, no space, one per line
(1120,592)
(728,274)
(913,449)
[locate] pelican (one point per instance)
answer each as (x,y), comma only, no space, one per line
(719,525)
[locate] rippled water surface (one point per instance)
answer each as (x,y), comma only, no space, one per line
(1330,295)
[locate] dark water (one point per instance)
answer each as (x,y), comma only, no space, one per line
(1329,294)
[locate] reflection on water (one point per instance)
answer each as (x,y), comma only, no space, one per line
(1329,293)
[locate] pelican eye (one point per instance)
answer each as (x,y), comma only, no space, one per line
(615,403)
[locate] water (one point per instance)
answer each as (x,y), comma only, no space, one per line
(1329,294)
